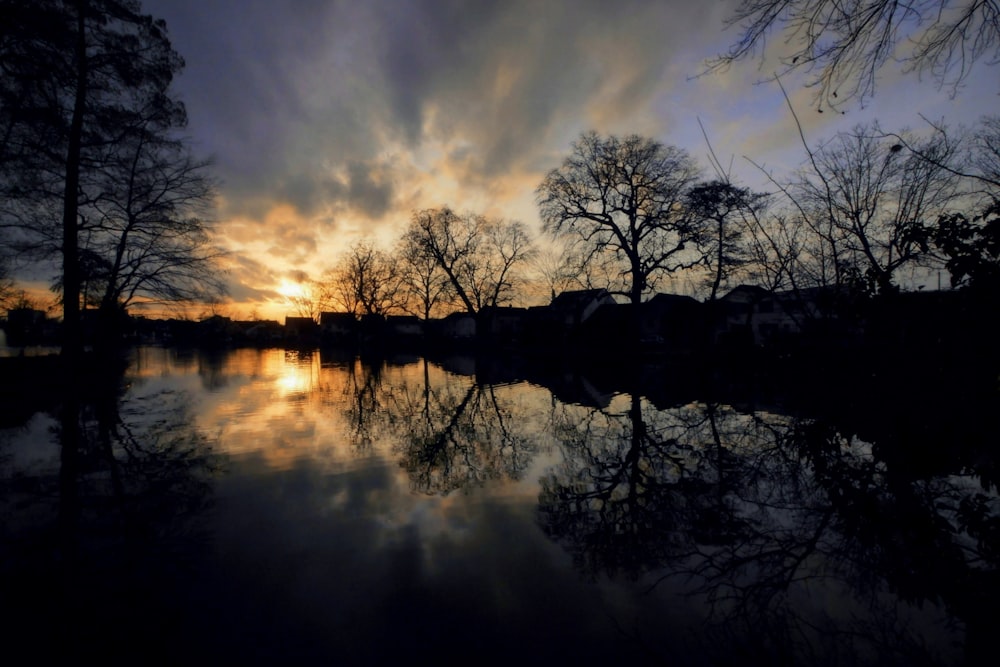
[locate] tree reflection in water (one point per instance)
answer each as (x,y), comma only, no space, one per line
(457,435)
(89,545)
(795,537)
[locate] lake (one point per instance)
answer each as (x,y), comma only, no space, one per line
(310,507)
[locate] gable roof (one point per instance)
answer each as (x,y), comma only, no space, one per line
(745,292)
(575,299)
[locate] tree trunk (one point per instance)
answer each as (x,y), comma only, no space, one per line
(72,344)
(718,266)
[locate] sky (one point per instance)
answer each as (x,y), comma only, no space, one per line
(331,120)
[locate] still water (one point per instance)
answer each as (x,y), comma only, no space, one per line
(302,507)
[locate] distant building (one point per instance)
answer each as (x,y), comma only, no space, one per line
(572,308)
(753,315)
(338,328)
(301,330)
(502,325)
(26,326)
(261,331)
(458,327)
(404,326)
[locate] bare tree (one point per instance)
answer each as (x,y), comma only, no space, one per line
(869,201)
(775,249)
(311,297)
(556,268)
(844,45)
(7,285)
(427,287)
(986,154)
(367,281)
(479,256)
(147,231)
(84,77)
(731,214)
(623,198)
(494,276)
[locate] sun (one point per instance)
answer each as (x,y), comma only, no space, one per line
(291,290)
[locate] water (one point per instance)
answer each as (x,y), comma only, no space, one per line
(271,506)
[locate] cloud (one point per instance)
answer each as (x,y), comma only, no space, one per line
(300,100)
(369,188)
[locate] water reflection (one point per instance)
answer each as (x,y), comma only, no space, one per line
(800,543)
(458,435)
(105,515)
(272,505)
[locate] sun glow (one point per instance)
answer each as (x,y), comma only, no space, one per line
(291,290)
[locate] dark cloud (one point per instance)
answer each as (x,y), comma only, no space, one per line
(298,99)
(298,276)
(506,76)
(246,278)
(292,240)
(369,189)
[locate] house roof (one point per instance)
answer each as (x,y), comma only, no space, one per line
(745,292)
(574,299)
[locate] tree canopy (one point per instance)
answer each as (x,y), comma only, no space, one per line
(623,197)
(479,256)
(93,167)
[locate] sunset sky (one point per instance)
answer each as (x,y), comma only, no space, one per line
(329,120)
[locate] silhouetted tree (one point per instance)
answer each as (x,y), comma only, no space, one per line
(367,281)
(617,501)
(427,287)
(623,199)
(986,153)
(730,213)
(971,248)
(148,232)
(868,202)
(455,436)
(479,256)
(845,45)
(98,86)
(6,284)
(751,513)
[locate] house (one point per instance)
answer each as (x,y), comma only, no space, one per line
(754,315)
(671,321)
(572,308)
(301,329)
(26,326)
(216,330)
(502,325)
(457,327)
(261,331)
(404,326)
(746,315)
(338,327)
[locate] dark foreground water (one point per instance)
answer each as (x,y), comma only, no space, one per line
(280,507)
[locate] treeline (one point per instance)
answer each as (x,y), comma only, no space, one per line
(869,213)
